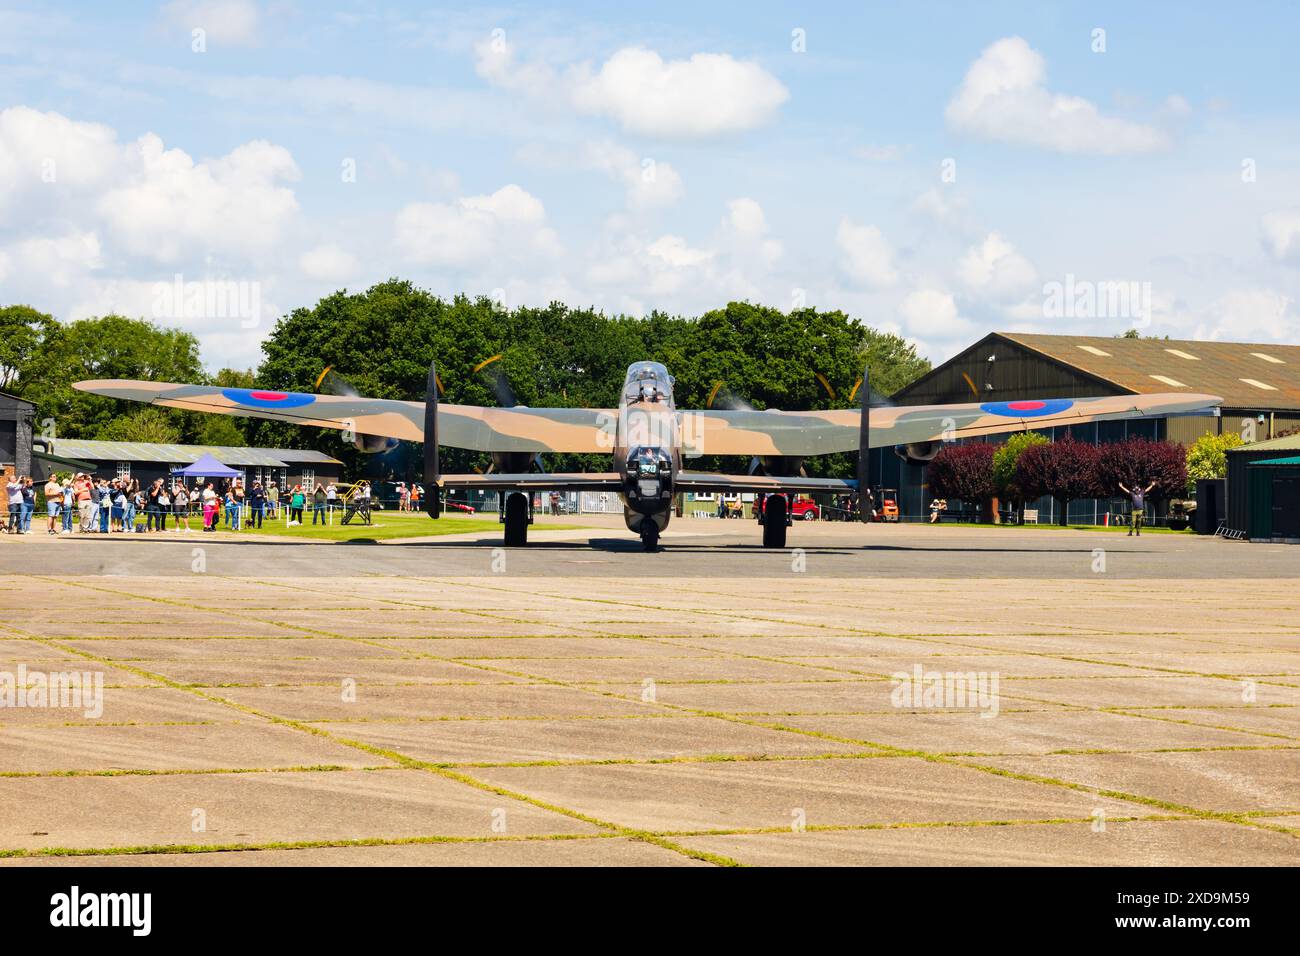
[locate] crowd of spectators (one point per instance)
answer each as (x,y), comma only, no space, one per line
(89,504)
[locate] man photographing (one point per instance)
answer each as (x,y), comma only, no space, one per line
(1138,497)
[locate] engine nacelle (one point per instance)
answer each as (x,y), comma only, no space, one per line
(781,466)
(512,462)
(918,453)
(374,444)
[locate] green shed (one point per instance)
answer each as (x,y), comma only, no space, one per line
(1273,499)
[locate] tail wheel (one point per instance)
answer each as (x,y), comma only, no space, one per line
(774,512)
(649,535)
(516,519)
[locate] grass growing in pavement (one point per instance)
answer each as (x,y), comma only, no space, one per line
(384,525)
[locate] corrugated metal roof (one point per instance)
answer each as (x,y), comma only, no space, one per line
(1289,443)
(183,454)
(1246,375)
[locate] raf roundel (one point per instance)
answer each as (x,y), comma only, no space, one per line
(1027,409)
(258,399)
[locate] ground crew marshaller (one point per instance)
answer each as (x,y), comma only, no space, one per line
(1138,496)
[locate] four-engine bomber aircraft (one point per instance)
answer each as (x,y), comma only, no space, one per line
(648,437)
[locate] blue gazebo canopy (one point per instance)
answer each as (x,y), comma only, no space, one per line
(206,467)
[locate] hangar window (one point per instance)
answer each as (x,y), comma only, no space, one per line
(1093,350)
(1183,355)
(1268,358)
(1169,381)
(1258,384)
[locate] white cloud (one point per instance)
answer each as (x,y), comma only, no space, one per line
(60,261)
(709,94)
(745,225)
(1249,315)
(994,268)
(865,254)
(158,203)
(1281,234)
(650,183)
(1003,98)
(932,314)
(171,203)
(44,156)
(675,251)
(329,263)
(474,229)
(233,22)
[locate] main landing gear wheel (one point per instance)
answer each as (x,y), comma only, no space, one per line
(516,519)
(649,535)
(774,511)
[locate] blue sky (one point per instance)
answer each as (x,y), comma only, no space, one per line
(930,168)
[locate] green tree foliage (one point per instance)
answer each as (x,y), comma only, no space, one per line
(1005,459)
(147,424)
(109,347)
(1207,457)
(24,332)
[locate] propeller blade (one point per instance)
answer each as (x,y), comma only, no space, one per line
(332,383)
(494,377)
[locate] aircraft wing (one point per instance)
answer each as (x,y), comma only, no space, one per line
(549,481)
(760,484)
(460,426)
(836,430)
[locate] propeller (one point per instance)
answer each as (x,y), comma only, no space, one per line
(494,377)
(723,398)
(335,384)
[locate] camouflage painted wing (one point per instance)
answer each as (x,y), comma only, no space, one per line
(836,430)
(550,481)
(459,426)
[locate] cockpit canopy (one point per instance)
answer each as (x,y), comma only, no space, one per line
(648,382)
(647,462)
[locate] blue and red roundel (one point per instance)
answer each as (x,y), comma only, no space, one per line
(259,399)
(1035,408)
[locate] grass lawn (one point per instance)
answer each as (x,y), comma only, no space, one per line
(385,525)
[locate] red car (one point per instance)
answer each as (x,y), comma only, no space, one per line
(801,509)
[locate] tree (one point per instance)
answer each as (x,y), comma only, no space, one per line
(148,424)
(1065,469)
(1005,459)
(24,332)
(963,471)
(1138,462)
(1207,458)
(112,346)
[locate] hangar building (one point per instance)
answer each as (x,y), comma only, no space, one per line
(1260,385)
